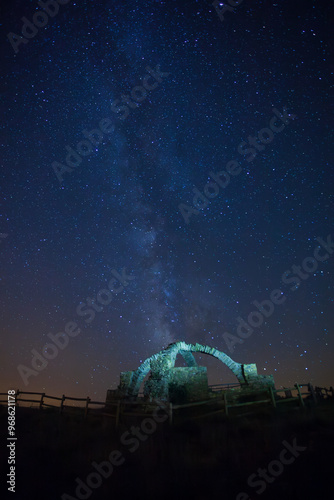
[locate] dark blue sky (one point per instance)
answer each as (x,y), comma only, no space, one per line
(182,93)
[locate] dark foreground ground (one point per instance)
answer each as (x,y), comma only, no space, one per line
(194,460)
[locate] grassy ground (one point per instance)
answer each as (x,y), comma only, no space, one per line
(199,459)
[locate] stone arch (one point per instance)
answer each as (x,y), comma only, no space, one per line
(159,364)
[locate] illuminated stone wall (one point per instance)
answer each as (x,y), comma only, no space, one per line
(168,382)
(188,384)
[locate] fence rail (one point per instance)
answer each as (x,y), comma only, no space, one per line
(224,400)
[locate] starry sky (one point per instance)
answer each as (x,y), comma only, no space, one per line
(108,235)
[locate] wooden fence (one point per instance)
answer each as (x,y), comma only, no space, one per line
(41,402)
(222,401)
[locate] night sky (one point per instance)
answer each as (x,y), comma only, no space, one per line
(114,237)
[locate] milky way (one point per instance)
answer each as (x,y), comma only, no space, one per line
(115,115)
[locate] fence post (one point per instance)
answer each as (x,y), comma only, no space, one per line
(62,403)
(170,413)
(225,403)
(300,396)
(86,408)
(118,410)
(271,393)
(311,391)
(41,402)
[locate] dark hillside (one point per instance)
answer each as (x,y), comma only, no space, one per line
(195,459)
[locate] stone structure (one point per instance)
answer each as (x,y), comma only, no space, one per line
(166,382)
